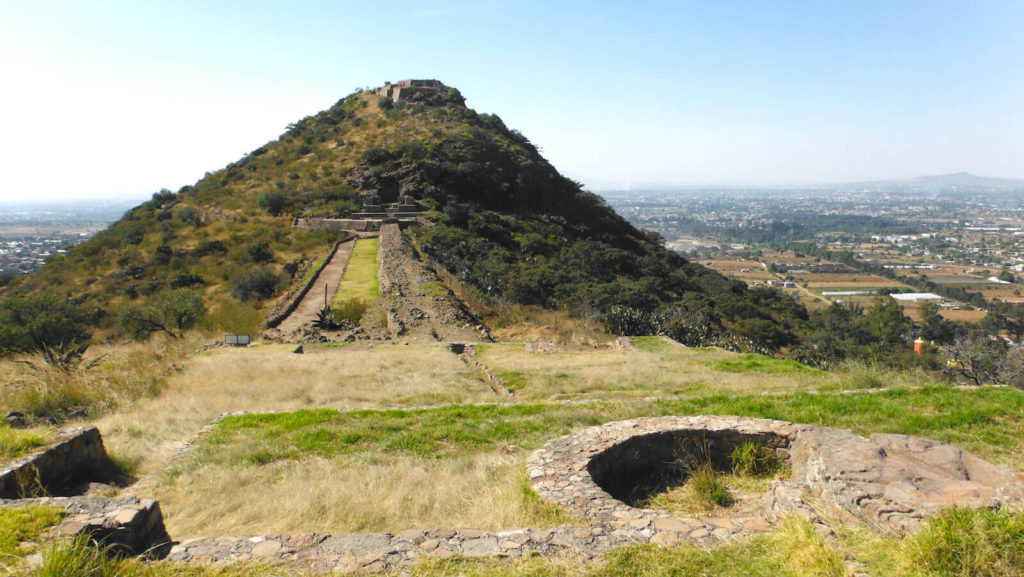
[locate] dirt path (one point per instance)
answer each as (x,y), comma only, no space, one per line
(314,299)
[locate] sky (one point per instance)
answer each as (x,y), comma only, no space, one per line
(108,98)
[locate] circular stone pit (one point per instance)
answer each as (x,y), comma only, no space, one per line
(890,482)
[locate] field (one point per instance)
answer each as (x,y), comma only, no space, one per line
(748,270)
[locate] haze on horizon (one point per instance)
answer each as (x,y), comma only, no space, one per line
(119,98)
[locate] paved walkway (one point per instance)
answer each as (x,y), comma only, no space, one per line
(314,299)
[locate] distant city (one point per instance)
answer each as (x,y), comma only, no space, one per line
(31,232)
(963,246)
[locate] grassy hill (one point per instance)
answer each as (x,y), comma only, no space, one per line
(507,225)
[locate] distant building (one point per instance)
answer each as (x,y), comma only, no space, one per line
(916,297)
(402,91)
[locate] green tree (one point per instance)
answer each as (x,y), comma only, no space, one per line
(934,328)
(48,324)
(172,313)
(887,322)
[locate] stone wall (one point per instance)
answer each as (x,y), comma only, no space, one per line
(76,457)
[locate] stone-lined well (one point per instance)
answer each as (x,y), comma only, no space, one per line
(891,482)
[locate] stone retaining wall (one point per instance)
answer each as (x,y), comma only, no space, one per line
(77,456)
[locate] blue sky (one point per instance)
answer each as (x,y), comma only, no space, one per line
(123,98)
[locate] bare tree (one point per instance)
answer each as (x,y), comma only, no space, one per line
(982,360)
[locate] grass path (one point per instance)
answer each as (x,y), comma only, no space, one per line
(360,279)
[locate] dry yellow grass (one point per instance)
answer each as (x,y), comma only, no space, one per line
(268,378)
(122,373)
(669,371)
(335,496)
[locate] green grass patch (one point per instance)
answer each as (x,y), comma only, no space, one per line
(16,443)
(25,524)
(987,421)
(434,433)
(759,363)
(360,279)
(652,344)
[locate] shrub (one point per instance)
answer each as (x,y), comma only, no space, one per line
(273,201)
(186,280)
(188,215)
(255,285)
(163,254)
(259,252)
(349,311)
(210,247)
(172,313)
(133,233)
(376,155)
(48,324)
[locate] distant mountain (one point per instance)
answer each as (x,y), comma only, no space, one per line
(956,182)
(968,180)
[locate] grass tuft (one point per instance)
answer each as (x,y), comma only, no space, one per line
(751,460)
(805,552)
(707,488)
(969,542)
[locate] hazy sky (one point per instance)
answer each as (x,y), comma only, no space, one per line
(123,98)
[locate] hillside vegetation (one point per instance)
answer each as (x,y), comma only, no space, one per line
(507,225)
